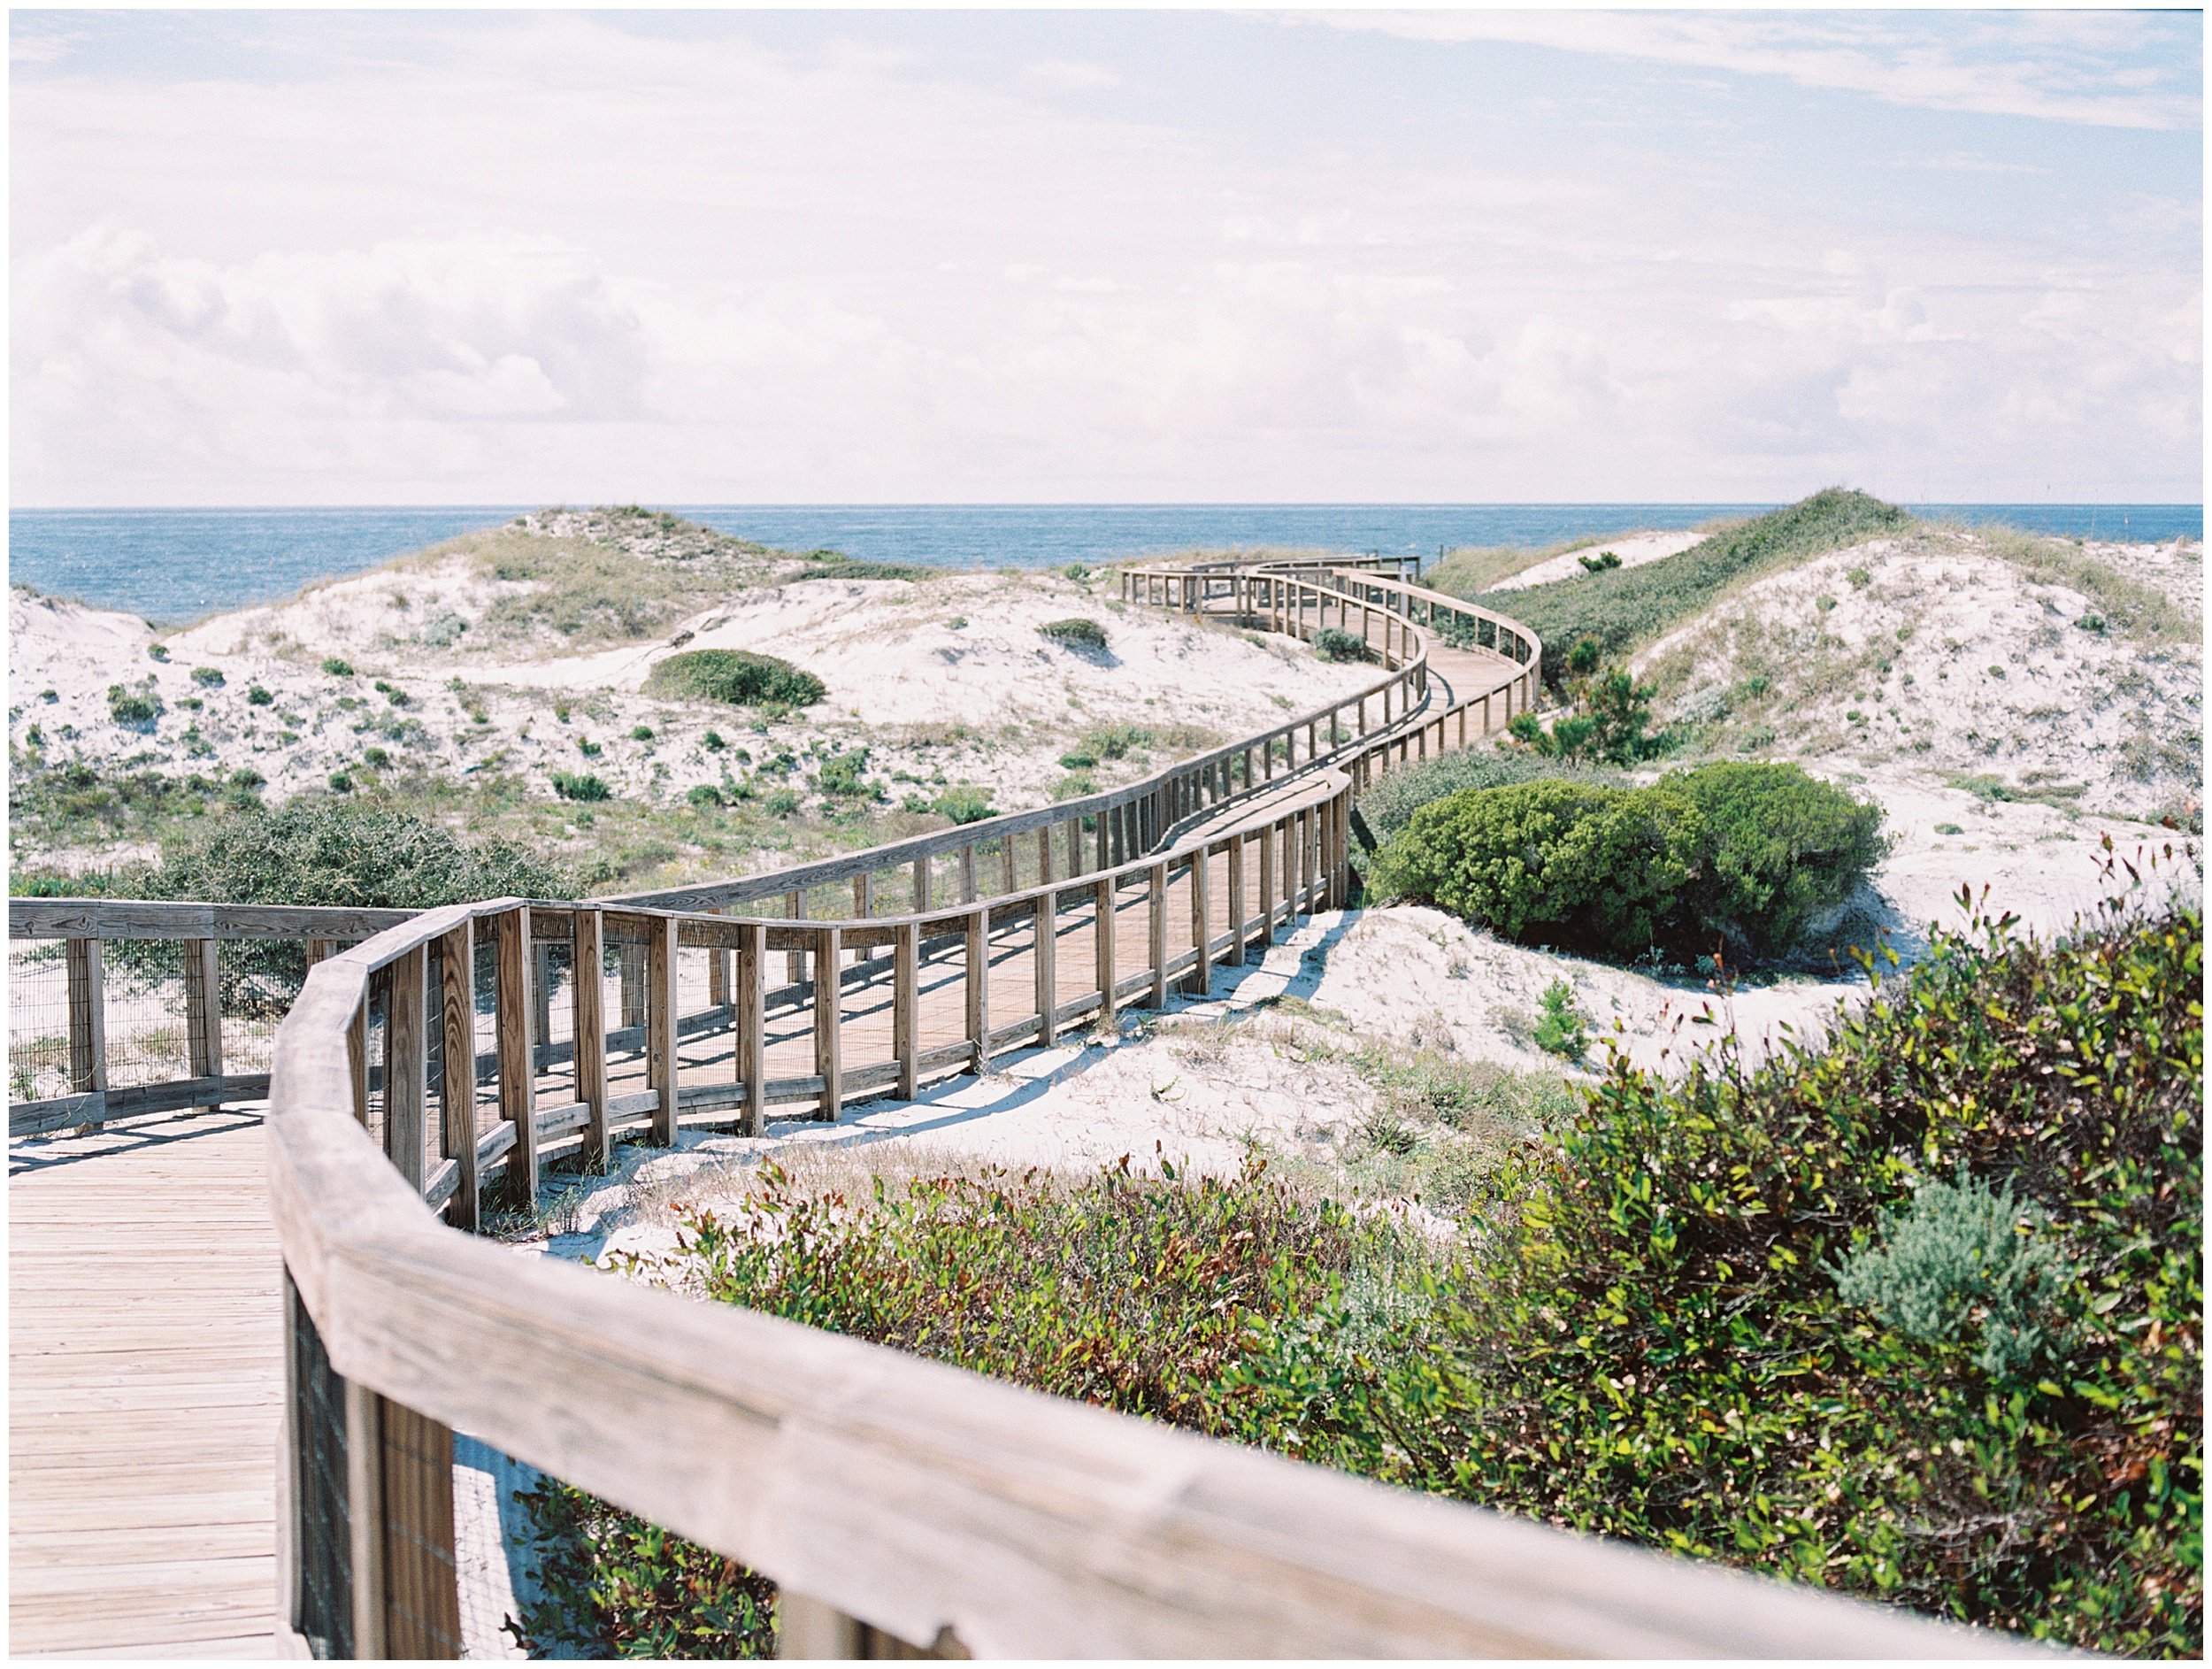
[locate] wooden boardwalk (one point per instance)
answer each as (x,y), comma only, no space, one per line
(146,1382)
(145,1343)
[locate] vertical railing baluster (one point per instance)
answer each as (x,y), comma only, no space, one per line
(752,1022)
(977,984)
(829,1063)
(587,1026)
(906,1020)
(456,1015)
(1156,921)
(518,1078)
(660,1024)
(406,1060)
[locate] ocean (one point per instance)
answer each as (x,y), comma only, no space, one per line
(176,566)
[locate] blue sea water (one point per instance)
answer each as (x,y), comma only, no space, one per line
(174,565)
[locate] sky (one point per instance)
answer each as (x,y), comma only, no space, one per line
(326,258)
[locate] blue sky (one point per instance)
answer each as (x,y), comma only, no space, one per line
(912,256)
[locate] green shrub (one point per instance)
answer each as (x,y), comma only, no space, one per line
(1624,607)
(1644,1337)
(712,742)
(257,697)
(1965,1263)
(1745,853)
(576,786)
(1561,1028)
(845,776)
(610,1585)
(131,708)
(211,676)
(1387,806)
(1604,562)
(640,732)
(1780,848)
(1077,633)
(337,667)
(1079,760)
(735,676)
(782,802)
(375,758)
(341,782)
(1335,643)
(962,804)
(1859,579)
(704,795)
(844,568)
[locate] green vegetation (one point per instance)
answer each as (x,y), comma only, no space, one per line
(581,591)
(736,676)
(1613,728)
(1625,608)
(1078,633)
(704,795)
(1474,569)
(2123,604)
(1388,806)
(640,732)
(132,708)
(962,804)
(257,697)
(1747,854)
(572,785)
(211,676)
(1561,1028)
(839,566)
(1913,1313)
(1604,562)
(318,852)
(1335,643)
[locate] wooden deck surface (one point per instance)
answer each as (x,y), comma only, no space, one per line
(145,1379)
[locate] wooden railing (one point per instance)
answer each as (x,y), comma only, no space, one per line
(901,1505)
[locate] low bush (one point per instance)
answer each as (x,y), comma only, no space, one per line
(962,804)
(1747,854)
(211,676)
(1604,562)
(705,795)
(1079,634)
(735,676)
(1561,1028)
(1739,1314)
(257,697)
(337,667)
(844,568)
(132,708)
(640,732)
(1335,643)
(1386,808)
(572,785)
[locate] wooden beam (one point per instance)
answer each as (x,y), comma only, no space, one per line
(1156,921)
(587,1023)
(518,1067)
(978,981)
(203,1007)
(406,1059)
(1240,924)
(752,1024)
(906,1019)
(1041,955)
(87,1018)
(828,1024)
(660,1026)
(1103,942)
(1201,982)
(457,1015)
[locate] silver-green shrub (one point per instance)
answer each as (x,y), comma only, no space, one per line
(1963,1261)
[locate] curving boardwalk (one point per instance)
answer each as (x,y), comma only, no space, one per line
(147,1365)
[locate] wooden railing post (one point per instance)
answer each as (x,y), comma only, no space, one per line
(1102,921)
(660,1025)
(1041,954)
(752,1023)
(978,982)
(829,1063)
(1240,924)
(1267,885)
(1155,920)
(87,1018)
(204,1011)
(1201,921)
(794,960)
(906,1019)
(456,1015)
(406,1057)
(587,1006)
(921,883)
(518,1077)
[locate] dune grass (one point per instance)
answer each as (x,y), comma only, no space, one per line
(2129,606)
(1625,608)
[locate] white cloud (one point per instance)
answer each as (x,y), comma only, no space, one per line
(562,261)
(2047,65)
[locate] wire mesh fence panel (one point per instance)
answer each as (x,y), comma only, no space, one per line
(484,1024)
(256,982)
(626,960)
(705,1038)
(148,1038)
(322,1540)
(554,1028)
(38,1020)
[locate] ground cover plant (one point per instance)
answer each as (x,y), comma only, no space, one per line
(737,676)
(1913,1312)
(1743,854)
(1077,633)
(1624,608)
